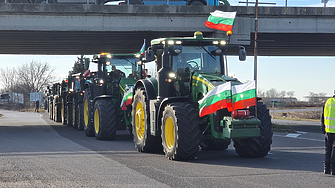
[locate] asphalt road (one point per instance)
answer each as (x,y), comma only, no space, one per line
(36,152)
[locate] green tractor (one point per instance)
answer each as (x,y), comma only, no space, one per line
(55,102)
(116,74)
(66,103)
(165,109)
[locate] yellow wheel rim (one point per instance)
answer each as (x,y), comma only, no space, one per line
(96,121)
(169,133)
(139,120)
(86,112)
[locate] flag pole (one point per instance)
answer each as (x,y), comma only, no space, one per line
(255,53)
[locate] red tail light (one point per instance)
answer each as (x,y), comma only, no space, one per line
(240,114)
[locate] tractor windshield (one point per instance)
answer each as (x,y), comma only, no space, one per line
(197,58)
(128,65)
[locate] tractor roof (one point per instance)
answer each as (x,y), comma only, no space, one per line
(198,37)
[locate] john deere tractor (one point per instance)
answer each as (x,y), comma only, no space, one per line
(165,109)
(116,74)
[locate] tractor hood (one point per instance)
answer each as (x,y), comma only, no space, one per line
(212,79)
(126,83)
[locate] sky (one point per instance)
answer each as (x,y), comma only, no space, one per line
(299,74)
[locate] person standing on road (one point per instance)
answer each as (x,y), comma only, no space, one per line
(328,129)
(37,105)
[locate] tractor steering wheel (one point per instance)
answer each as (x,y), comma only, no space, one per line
(195,66)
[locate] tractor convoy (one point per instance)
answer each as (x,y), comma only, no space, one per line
(156,97)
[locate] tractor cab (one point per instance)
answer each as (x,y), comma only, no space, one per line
(180,59)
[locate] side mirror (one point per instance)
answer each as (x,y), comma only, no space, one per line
(87,63)
(149,56)
(242,54)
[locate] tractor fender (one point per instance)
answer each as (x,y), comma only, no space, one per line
(103,97)
(148,87)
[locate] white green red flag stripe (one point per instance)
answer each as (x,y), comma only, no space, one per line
(220,20)
(141,52)
(244,95)
(216,99)
(127,99)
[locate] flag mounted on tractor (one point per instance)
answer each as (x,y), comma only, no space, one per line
(220,20)
(127,99)
(227,96)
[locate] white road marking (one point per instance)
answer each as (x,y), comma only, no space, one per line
(310,139)
(292,135)
(301,132)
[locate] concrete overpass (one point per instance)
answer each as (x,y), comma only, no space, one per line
(87,29)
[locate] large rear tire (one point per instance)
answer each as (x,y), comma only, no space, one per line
(257,147)
(81,122)
(180,131)
(57,113)
(63,112)
(105,120)
(51,110)
(88,115)
(75,114)
(144,141)
(69,114)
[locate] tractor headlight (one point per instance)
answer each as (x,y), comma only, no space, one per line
(223,42)
(170,42)
(172,75)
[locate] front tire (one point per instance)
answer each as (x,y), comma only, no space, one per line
(105,120)
(180,131)
(257,147)
(144,141)
(88,115)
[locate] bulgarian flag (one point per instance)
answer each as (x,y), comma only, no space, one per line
(127,99)
(141,52)
(243,96)
(221,20)
(216,99)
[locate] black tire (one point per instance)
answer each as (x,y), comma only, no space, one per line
(81,122)
(69,114)
(63,113)
(105,120)
(144,141)
(214,144)
(88,114)
(180,131)
(57,113)
(75,115)
(257,147)
(51,116)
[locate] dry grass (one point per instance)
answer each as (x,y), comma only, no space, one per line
(297,115)
(41,110)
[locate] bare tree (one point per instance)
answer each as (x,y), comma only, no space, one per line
(290,94)
(282,94)
(35,76)
(272,93)
(8,79)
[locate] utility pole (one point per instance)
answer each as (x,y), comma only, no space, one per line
(255,44)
